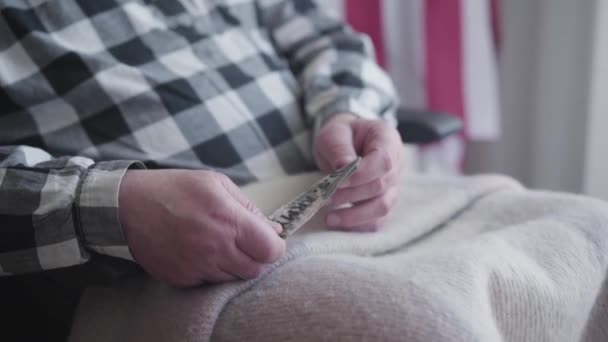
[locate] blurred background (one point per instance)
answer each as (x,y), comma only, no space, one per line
(527,77)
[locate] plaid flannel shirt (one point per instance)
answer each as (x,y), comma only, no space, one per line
(91,88)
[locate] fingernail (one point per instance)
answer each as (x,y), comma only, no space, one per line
(332,220)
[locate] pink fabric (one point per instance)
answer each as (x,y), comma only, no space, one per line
(444,74)
(366,16)
(456,72)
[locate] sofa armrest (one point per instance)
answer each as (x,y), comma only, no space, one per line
(422,126)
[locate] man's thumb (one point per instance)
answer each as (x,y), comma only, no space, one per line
(341,155)
(335,144)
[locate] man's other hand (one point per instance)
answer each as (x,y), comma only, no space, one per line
(373,189)
(192,227)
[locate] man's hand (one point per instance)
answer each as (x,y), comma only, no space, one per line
(373,188)
(189,227)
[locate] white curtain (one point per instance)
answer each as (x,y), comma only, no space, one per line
(545,76)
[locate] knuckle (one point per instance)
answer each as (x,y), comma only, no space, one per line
(386,161)
(379,185)
(214,205)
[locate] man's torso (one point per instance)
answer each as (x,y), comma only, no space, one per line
(185,84)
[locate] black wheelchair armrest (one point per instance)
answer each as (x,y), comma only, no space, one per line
(421,126)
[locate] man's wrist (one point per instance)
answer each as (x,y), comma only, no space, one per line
(98,208)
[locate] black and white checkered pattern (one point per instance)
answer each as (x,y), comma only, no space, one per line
(231,85)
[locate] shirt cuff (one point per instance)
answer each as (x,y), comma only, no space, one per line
(96,208)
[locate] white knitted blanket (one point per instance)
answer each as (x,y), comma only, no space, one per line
(460,259)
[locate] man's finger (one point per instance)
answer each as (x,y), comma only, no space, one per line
(376,164)
(256,238)
(241,199)
(365,191)
(242,265)
(336,146)
(363,212)
(381,149)
(236,193)
(322,162)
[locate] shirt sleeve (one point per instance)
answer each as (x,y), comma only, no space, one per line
(55,211)
(335,65)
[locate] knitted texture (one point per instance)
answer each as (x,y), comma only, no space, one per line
(460,259)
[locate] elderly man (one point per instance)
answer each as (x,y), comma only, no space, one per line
(124,126)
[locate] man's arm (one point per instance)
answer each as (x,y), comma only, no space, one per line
(334,64)
(343,88)
(183,227)
(55,211)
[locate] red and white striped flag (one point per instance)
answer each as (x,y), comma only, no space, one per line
(442,56)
